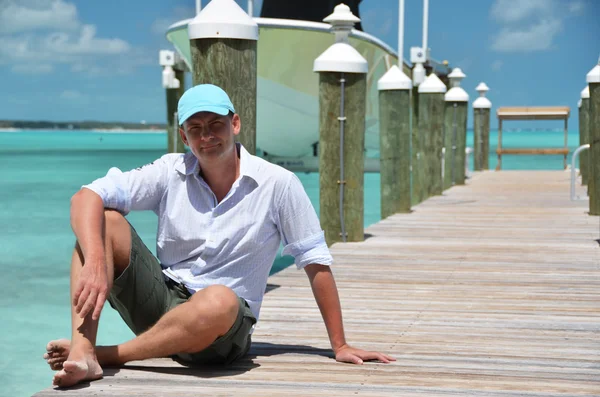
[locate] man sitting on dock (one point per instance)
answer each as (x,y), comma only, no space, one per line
(222,214)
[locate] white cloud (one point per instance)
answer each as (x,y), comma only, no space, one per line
(37,36)
(530,25)
(33,68)
(536,37)
(86,43)
(576,7)
(59,47)
(27,15)
(497,65)
(508,11)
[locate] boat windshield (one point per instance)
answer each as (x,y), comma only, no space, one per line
(306,10)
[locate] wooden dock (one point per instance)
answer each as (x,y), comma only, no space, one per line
(492,289)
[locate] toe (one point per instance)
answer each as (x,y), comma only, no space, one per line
(56,366)
(58,378)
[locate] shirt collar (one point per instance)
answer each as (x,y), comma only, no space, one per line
(188,164)
(248,166)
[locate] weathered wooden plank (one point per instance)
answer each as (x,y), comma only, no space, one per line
(492,289)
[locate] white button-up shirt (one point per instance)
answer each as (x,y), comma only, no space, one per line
(201,242)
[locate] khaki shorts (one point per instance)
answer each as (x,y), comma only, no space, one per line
(142,295)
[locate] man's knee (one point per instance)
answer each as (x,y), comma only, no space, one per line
(118,235)
(219,303)
(114,220)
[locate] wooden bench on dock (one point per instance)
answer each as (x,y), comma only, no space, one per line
(492,289)
(532,113)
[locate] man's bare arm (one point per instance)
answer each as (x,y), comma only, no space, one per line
(326,294)
(87,222)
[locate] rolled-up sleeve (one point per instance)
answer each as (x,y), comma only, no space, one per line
(299,226)
(138,189)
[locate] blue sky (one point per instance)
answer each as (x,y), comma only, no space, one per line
(97,60)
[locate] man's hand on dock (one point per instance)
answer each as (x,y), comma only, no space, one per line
(349,354)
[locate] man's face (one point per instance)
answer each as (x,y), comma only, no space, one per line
(209,135)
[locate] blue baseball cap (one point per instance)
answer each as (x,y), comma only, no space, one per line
(203,98)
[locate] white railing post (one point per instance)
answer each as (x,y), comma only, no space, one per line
(573,170)
(468,152)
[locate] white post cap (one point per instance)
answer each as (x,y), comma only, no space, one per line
(342,15)
(456,94)
(431,85)
(341,56)
(394,79)
(482,88)
(342,21)
(579,103)
(585,93)
(482,102)
(594,75)
(457,73)
(456,76)
(223,19)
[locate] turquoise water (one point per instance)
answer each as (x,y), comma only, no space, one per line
(39,171)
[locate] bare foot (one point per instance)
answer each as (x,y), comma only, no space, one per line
(79,370)
(57,352)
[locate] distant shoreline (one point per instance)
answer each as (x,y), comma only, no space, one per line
(86,125)
(97,130)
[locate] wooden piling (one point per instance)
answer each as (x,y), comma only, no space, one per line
(455,142)
(481,139)
(342,111)
(394,138)
(594,151)
(231,65)
(584,137)
(224,54)
(481,129)
(431,129)
(455,131)
(330,95)
(174,142)
(417,158)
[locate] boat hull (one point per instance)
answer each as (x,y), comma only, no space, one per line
(287,87)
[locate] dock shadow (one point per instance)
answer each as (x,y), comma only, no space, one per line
(79,386)
(107,372)
(199,371)
(273,349)
(271,287)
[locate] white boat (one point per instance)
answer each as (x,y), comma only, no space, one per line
(287,88)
